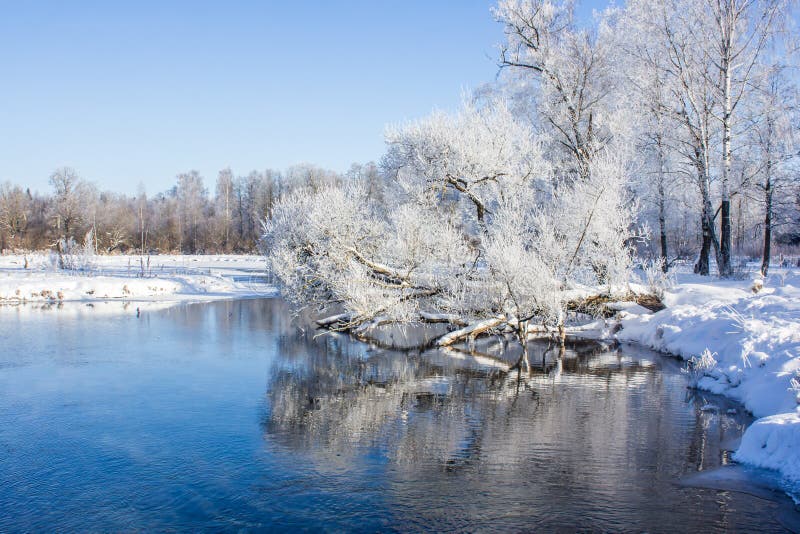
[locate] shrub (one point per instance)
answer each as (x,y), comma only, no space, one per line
(75,257)
(700,366)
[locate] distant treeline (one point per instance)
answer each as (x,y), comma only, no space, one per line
(187,218)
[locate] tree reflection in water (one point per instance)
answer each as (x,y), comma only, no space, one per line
(333,398)
(595,429)
(347,437)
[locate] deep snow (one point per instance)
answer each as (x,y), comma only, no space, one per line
(754,338)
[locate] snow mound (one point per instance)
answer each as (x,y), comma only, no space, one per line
(774,443)
(755,341)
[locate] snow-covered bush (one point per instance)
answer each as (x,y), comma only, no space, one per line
(699,367)
(656,279)
(72,256)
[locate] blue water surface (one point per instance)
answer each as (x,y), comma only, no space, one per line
(226,416)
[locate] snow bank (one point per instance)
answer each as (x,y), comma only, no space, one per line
(774,443)
(166,278)
(755,339)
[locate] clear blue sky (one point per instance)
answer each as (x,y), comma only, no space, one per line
(136,92)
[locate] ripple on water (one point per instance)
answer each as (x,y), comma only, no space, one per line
(225,416)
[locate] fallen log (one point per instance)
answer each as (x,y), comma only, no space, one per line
(471,331)
(597,305)
(362,329)
(338,319)
(594,305)
(449,318)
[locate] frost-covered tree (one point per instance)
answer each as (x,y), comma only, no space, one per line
(483,235)
(14,209)
(734,35)
(647,88)
(567,72)
(190,194)
(704,57)
(475,159)
(772,116)
(370,175)
(667,31)
(69,200)
(223,204)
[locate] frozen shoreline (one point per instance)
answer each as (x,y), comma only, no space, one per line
(169,278)
(755,340)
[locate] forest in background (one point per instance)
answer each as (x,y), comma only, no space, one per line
(188,218)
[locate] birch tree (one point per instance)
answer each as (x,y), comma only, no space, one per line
(735,37)
(224,203)
(669,28)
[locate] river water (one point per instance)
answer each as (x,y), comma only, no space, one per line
(227,416)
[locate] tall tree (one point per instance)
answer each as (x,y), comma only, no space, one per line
(143,216)
(14,208)
(569,69)
(69,195)
(191,197)
(774,113)
(648,91)
(224,203)
(736,33)
(670,27)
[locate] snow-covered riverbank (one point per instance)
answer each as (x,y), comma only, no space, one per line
(755,340)
(174,278)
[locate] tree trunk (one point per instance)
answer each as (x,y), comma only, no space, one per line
(662,224)
(767,221)
(725,267)
(706,225)
(662,211)
(522,335)
(702,265)
(470,331)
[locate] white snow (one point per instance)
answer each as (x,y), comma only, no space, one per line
(172,278)
(774,443)
(755,340)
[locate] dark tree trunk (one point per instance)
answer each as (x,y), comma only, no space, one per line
(725,267)
(662,205)
(662,226)
(702,266)
(767,222)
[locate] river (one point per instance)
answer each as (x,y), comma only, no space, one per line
(227,416)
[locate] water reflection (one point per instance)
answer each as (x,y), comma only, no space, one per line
(232,415)
(597,438)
